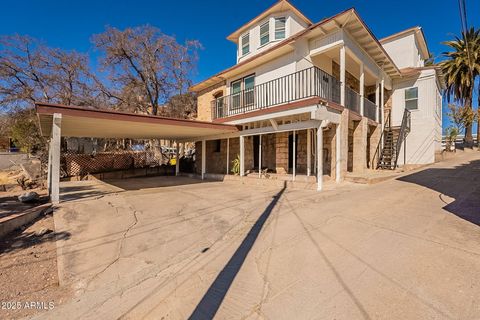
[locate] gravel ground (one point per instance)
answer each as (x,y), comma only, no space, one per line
(28,271)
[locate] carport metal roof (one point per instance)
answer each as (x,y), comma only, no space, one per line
(94,123)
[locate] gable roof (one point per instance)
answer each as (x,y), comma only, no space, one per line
(280,6)
(420,36)
(348,19)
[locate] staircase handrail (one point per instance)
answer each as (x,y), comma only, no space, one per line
(404,131)
(378,151)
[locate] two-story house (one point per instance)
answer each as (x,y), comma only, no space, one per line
(320,99)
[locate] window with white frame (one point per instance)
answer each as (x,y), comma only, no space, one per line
(280,28)
(264,33)
(411,98)
(245,44)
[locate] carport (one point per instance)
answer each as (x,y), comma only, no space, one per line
(58,121)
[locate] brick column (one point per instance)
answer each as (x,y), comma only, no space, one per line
(360,145)
(374,141)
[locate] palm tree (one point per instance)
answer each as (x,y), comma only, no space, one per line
(460,69)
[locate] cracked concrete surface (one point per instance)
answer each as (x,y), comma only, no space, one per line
(151,248)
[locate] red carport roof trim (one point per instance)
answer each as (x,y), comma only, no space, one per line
(87,112)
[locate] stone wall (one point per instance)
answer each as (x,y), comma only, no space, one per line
(329,137)
(281,147)
(269,151)
(360,137)
(275,153)
(351,81)
(351,129)
(216,161)
(374,133)
(204,101)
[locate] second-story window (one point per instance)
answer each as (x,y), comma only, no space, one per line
(264,33)
(245,44)
(280,28)
(411,98)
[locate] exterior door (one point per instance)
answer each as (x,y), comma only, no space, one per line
(290,150)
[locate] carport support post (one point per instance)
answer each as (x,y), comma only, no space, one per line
(294,157)
(260,156)
(309,153)
(228,153)
(242,156)
(49,168)
(177,159)
(55,158)
(319,158)
(204,157)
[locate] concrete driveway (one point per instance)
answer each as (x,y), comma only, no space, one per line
(173,248)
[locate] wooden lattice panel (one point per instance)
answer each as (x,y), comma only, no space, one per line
(75,164)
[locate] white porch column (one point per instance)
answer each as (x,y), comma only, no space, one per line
(242,156)
(338,156)
(362,89)
(319,158)
(309,152)
(342,75)
(177,159)
(49,168)
(314,136)
(228,154)
(377,100)
(260,156)
(55,158)
(204,157)
(294,160)
(382,101)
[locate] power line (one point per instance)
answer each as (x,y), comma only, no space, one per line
(463,15)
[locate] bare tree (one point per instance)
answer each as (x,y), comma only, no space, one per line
(32,72)
(146,67)
(181,106)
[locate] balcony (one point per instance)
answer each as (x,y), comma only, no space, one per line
(307,83)
(303,84)
(352,100)
(369,109)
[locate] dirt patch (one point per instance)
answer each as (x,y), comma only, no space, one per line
(9,177)
(28,271)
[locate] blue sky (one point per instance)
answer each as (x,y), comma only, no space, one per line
(70,24)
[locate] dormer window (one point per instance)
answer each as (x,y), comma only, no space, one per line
(264,33)
(245,44)
(280,28)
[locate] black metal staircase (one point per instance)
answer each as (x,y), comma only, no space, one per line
(393,137)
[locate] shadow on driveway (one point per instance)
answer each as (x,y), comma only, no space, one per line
(211,301)
(461,183)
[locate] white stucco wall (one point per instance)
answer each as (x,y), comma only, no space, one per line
(425,137)
(293,25)
(404,51)
(273,69)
